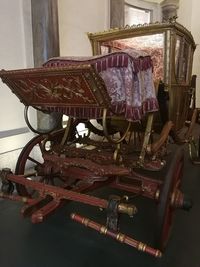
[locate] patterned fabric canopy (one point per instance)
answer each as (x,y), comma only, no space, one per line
(128,78)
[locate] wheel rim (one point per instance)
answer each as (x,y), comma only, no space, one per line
(27,160)
(31,158)
(165,211)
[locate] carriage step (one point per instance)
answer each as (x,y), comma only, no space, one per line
(116,235)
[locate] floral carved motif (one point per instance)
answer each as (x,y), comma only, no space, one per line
(55,90)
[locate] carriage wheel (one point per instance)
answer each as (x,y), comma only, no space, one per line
(31,158)
(165,211)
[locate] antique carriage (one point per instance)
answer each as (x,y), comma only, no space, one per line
(116,88)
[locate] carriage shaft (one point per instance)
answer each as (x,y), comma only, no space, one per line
(59,193)
(116,235)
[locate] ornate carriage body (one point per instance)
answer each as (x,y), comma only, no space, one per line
(71,164)
(171,47)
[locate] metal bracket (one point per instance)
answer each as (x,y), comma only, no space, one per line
(6,186)
(112,221)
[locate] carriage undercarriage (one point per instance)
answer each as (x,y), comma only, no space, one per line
(72,167)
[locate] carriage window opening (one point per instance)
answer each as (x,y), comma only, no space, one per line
(135,15)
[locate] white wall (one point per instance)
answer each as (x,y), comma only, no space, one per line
(185,13)
(15,53)
(76,18)
(188,15)
(195,28)
(12,55)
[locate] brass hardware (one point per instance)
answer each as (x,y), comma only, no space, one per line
(85,221)
(120,237)
(103,230)
(157,194)
(127,209)
(173,196)
(146,139)
(126,197)
(116,156)
(158,254)
(73,215)
(141,246)
(67,131)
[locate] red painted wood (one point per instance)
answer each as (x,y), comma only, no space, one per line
(16,198)
(58,193)
(116,235)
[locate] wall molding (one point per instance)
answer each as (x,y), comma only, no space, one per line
(13,132)
(14,141)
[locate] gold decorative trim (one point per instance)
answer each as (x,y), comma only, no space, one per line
(141,246)
(157,194)
(33,86)
(139,29)
(158,254)
(85,221)
(120,237)
(105,130)
(127,209)
(103,230)
(73,215)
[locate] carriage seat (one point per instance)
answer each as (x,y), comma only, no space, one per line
(82,87)
(128,78)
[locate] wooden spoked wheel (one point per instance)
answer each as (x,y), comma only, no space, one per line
(165,211)
(31,159)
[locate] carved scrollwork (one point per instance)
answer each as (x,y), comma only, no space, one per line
(56,90)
